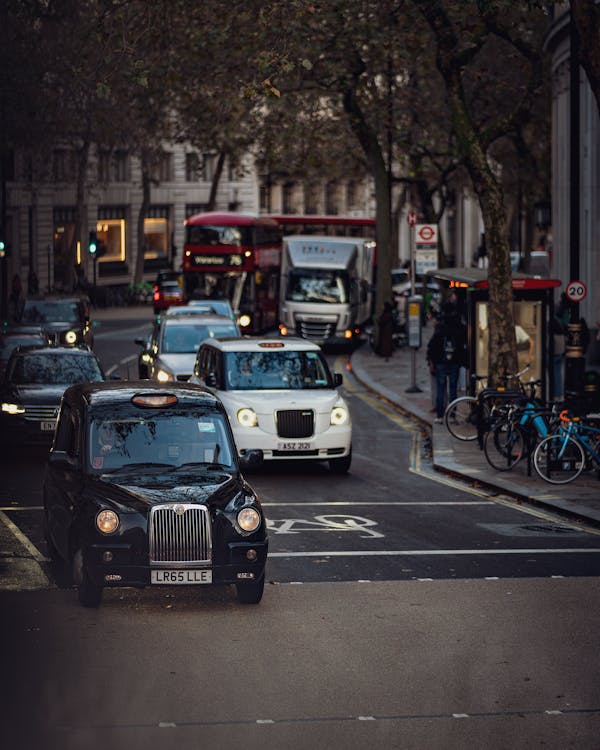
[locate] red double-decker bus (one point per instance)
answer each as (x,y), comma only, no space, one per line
(321,224)
(236,256)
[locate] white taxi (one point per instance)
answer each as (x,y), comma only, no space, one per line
(281,398)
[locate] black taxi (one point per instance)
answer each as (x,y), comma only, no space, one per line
(143,487)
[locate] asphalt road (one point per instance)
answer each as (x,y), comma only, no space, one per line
(402,610)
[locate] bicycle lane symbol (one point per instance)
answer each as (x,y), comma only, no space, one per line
(327,523)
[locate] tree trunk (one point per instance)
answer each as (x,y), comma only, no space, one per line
(214,186)
(376,160)
(143,212)
(81,219)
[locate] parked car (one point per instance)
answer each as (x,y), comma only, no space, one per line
(167,293)
(143,487)
(281,398)
(66,319)
(34,381)
(13,336)
(170,351)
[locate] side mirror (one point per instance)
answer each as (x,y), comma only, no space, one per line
(61,460)
(211,380)
(337,379)
(251,459)
(140,342)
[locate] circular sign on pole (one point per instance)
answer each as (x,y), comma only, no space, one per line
(412,218)
(575,291)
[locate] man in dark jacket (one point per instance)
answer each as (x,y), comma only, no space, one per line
(446,352)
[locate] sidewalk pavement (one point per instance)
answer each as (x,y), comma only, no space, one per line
(579,500)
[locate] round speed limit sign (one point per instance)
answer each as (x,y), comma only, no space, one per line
(575,291)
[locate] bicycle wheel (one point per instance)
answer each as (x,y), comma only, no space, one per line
(504,446)
(460,417)
(559,459)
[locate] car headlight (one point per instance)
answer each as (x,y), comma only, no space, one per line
(248,519)
(163,376)
(339,416)
(107,521)
(71,337)
(247,417)
(8,408)
(244,321)
(146,358)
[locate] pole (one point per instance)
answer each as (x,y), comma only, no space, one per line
(574,355)
(414,388)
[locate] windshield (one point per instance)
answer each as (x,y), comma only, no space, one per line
(54,369)
(186,339)
(165,438)
(312,285)
(45,311)
(276,370)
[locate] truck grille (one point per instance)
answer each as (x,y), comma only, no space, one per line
(179,533)
(317,331)
(295,423)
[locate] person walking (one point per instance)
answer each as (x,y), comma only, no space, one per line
(446,353)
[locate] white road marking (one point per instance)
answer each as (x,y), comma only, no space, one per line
(29,546)
(437,552)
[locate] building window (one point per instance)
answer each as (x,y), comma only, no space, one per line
(103,166)
(208,167)
(331,207)
(120,166)
(311,199)
(63,165)
(351,195)
(194,208)
(287,198)
(265,198)
(156,238)
(111,236)
(193,168)
(163,172)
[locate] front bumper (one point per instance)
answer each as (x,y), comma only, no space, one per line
(333,443)
(231,565)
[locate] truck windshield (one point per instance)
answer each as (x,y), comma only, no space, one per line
(313,285)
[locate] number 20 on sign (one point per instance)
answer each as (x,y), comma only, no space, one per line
(575,291)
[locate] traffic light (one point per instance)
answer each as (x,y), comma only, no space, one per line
(93,244)
(2,248)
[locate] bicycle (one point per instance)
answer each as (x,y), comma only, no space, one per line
(561,457)
(468,417)
(515,435)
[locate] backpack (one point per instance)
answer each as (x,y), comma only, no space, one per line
(448,348)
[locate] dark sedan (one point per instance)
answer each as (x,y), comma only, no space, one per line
(35,379)
(65,319)
(143,487)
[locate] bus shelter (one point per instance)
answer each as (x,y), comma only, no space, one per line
(533,309)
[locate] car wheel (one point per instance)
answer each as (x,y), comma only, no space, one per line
(251,593)
(88,593)
(341,465)
(53,553)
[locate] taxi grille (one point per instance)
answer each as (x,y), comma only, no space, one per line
(40,413)
(295,423)
(179,533)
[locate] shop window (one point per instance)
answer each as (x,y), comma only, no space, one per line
(156,238)
(111,236)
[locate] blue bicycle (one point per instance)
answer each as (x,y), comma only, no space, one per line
(561,457)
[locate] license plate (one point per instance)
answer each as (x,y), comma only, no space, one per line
(294,445)
(47,426)
(183,577)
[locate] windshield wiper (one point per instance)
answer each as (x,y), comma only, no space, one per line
(142,465)
(202,465)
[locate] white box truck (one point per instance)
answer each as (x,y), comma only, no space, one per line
(326,291)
